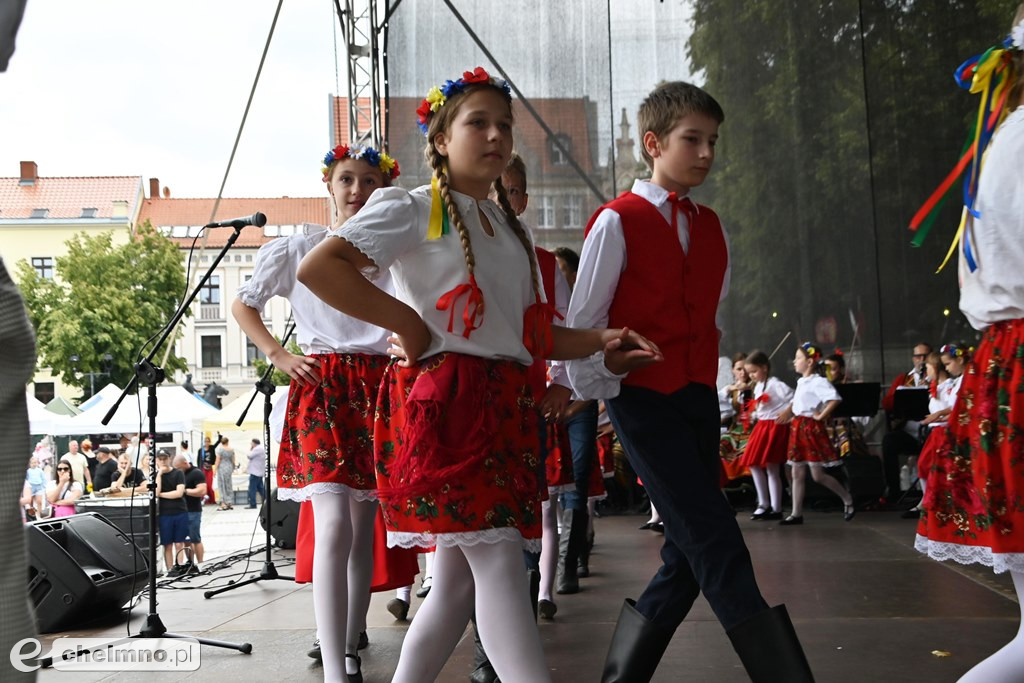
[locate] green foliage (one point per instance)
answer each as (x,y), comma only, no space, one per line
(841,118)
(278,377)
(104,299)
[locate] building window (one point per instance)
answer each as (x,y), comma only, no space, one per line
(210,293)
(43,267)
(572,212)
(44,391)
(39,213)
(546,212)
(558,157)
(89,213)
(252,353)
(210,351)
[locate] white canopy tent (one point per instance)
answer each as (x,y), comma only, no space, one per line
(224,420)
(178,410)
(40,420)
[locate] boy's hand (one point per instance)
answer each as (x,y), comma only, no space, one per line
(555,402)
(625,350)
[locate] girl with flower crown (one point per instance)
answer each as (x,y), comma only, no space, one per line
(809,446)
(942,390)
(326,456)
(971,511)
(457,436)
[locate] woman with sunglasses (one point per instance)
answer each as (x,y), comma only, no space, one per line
(63,492)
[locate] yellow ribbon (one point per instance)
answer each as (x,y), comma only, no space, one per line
(438,224)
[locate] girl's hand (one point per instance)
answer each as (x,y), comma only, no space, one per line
(555,402)
(786,416)
(930,418)
(625,350)
(302,369)
(408,347)
(817,416)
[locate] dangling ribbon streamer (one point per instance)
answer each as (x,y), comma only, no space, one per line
(472,311)
(537,321)
(438,224)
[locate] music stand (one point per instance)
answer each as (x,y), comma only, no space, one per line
(266,387)
(911,404)
(149,375)
(860,399)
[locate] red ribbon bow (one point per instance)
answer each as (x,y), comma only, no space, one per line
(684,204)
(472,311)
(537,320)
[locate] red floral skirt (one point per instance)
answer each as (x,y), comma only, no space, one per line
(809,443)
(936,440)
(490,491)
(768,444)
(973,509)
(558,464)
(327,441)
(392,567)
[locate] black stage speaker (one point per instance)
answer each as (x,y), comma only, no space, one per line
(284,520)
(80,566)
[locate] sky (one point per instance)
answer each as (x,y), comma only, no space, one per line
(130,87)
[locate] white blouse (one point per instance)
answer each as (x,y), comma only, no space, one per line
(779,396)
(945,397)
(391,230)
(995,291)
(811,395)
(319,328)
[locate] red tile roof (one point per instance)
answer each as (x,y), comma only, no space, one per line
(66,197)
(196,212)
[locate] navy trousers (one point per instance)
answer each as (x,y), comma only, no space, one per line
(672,443)
(582,429)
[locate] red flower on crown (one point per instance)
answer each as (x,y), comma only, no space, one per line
(423,112)
(477,75)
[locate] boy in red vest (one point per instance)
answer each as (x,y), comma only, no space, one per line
(653,260)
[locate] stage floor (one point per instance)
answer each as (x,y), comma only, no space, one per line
(866,605)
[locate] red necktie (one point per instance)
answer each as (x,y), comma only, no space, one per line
(685,205)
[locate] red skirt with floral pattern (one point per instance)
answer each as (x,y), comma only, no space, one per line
(929,451)
(496,497)
(768,444)
(558,463)
(809,443)
(606,454)
(973,509)
(327,443)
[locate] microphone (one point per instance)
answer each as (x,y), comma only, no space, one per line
(258,219)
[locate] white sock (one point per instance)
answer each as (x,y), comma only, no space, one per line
(404,593)
(549,550)
(504,616)
(441,619)
(351,666)
(655,517)
(360,570)
(761,486)
(333,530)
(1007,664)
(775,487)
(428,561)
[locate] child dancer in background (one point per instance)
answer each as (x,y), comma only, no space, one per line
(450,473)
(972,510)
(942,390)
(326,453)
(809,446)
(766,449)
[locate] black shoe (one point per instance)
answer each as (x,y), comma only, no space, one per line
(791,520)
(250,507)
(849,511)
(546,609)
(570,547)
(769,648)
(771,516)
(314,652)
(912,513)
(658,528)
(364,641)
(193,570)
(759,514)
(399,609)
(424,588)
(646,525)
(177,570)
(636,648)
(357,677)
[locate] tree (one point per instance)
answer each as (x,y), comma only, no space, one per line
(105,299)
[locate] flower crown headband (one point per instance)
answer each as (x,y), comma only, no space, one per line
(438,95)
(812,351)
(387,165)
(954,351)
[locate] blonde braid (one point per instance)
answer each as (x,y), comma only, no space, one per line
(436,162)
(517,228)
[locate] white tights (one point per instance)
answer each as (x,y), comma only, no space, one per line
(504,616)
(1007,664)
(342,571)
(548,548)
(768,483)
(822,477)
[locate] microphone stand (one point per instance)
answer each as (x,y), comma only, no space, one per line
(266,387)
(150,375)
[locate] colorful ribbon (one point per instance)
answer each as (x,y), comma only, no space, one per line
(438,224)
(472,311)
(537,336)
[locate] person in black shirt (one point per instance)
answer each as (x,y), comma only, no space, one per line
(106,469)
(128,477)
(173,514)
(195,491)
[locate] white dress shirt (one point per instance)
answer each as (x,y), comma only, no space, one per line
(811,395)
(779,396)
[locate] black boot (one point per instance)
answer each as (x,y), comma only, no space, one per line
(534,589)
(570,546)
(483,672)
(583,565)
(636,649)
(769,648)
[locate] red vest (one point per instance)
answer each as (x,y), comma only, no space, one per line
(538,372)
(668,295)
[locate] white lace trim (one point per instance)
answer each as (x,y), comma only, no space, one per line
(404,539)
(564,488)
(815,463)
(598,497)
(970,554)
(310,490)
